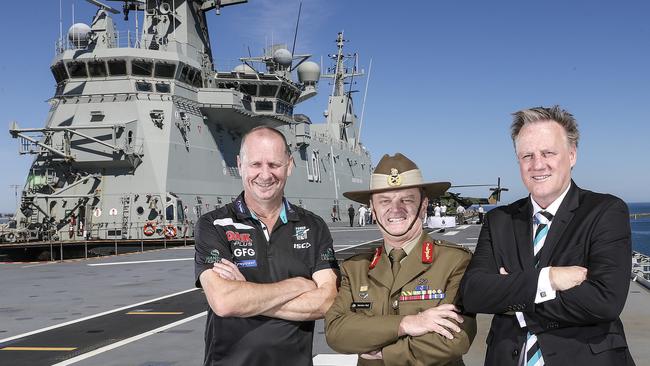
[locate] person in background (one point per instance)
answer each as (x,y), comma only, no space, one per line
(351,213)
(362,215)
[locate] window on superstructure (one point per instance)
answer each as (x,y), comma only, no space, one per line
(141,67)
(143,86)
(97,68)
(169,213)
(117,67)
(248,89)
(162,88)
(164,70)
(268,90)
(191,73)
(285,94)
(59,73)
(77,69)
(198,79)
(184,70)
(263,106)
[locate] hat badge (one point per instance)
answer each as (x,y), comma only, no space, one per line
(394,179)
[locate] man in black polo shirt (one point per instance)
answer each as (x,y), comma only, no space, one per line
(267,267)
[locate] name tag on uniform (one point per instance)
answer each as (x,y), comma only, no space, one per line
(361,305)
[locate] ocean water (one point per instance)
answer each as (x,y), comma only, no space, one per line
(640,227)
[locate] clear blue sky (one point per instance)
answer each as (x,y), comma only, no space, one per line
(445,77)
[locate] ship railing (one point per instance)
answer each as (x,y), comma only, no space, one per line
(104,239)
(122,39)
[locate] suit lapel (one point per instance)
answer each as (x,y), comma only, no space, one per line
(412,266)
(523,227)
(559,224)
(382,272)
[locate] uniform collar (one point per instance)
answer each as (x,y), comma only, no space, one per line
(407,248)
(287,213)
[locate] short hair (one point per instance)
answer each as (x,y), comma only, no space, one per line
(267,128)
(537,114)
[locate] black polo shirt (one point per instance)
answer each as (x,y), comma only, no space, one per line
(299,245)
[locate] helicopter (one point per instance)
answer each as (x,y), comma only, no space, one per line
(452,199)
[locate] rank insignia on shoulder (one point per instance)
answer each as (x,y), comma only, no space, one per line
(360,305)
(427,252)
(376,257)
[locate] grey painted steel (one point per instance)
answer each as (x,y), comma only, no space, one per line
(142,131)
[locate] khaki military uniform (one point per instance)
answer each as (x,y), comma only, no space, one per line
(369,307)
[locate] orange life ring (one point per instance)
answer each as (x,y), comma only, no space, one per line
(170,231)
(149,228)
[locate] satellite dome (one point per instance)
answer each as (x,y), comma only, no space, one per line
(79,33)
(308,72)
(243,69)
(282,56)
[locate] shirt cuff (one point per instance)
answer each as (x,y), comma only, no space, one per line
(520,319)
(544,290)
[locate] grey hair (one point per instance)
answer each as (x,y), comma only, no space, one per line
(267,128)
(537,114)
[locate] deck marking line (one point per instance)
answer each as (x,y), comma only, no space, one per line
(93,316)
(38,349)
(462,227)
(472,238)
(154,313)
(330,359)
(336,230)
(138,262)
(123,342)
(451,233)
(357,245)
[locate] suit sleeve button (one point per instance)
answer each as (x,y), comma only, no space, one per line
(515,353)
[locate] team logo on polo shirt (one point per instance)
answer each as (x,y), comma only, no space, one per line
(301,233)
(214,257)
(328,255)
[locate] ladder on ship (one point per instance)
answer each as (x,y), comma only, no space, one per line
(126,212)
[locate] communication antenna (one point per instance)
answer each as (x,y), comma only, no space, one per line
(295,35)
(60,26)
(15,187)
(363,105)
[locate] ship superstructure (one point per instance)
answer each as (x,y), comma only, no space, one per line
(143,133)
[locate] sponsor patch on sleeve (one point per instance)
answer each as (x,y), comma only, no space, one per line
(246,263)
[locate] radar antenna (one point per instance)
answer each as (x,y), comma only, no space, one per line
(103,6)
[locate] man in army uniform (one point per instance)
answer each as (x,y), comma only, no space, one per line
(398,305)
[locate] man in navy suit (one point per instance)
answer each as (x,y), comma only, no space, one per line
(554,267)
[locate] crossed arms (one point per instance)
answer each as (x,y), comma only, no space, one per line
(588,295)
(296,299)
(437,334)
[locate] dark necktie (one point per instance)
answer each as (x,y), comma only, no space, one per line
(396,255)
